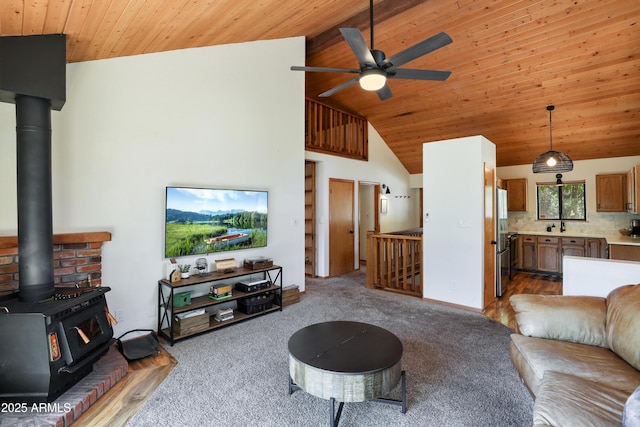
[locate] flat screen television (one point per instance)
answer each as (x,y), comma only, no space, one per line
(207,220)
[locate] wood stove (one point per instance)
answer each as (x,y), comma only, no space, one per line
(49,337)
(52,344)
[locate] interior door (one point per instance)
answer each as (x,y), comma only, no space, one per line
(341,227)
(368,216)
(489,235)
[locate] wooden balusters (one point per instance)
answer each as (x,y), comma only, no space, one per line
(394,262)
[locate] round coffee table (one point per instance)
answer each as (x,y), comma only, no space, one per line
(346,362)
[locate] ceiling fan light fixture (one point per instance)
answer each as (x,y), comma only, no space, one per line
(372,80)
(552,161)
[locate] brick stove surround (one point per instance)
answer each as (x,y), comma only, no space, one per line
(76,257)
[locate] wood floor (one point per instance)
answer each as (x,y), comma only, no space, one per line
(123,400)
(522,283)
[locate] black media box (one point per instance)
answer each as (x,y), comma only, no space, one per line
(257,285)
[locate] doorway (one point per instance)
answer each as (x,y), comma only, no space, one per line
(341,227)
(368,215)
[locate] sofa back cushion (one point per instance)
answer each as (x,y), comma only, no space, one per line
(623,323)
(579,319)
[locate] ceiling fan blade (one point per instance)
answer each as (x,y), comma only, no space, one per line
(384,93)
(339,87)
(325,69)
(353,36)
(411,74)
(418,50)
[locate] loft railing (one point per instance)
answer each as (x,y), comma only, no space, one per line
(331,131)
(394,261)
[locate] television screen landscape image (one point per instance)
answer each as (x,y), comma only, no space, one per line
(205,220)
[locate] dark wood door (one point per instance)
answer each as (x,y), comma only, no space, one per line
(341,227)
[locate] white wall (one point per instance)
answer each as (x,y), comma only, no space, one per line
(597,277)
(598,223)
(453,199)
(224,116)
(383,167)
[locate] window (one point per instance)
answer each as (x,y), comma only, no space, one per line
(561,202)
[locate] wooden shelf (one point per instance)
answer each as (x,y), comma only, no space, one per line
(167,292)
(216,276)
(214,324)
(205,301)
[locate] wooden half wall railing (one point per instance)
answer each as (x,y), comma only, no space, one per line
(394,261)
(336,132)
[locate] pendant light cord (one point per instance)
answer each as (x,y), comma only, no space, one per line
(550,108)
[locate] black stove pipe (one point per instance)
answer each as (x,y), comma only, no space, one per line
(35,225)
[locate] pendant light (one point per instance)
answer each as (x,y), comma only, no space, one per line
(552,161)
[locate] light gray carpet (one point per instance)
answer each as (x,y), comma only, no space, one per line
(457,364)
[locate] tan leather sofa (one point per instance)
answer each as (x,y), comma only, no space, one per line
(579,356)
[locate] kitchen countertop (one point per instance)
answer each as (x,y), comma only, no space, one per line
(612,239)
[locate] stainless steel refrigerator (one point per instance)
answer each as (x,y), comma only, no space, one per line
(503,264)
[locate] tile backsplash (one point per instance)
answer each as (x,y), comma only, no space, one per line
(597,223)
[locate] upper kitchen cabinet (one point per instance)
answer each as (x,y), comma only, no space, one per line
(611,192)
(516,194)
(633,190)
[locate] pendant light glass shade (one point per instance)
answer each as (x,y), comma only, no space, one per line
(552,161)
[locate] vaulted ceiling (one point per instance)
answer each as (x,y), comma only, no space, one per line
(509,59)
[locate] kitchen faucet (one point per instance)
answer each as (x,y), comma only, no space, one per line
(562,227)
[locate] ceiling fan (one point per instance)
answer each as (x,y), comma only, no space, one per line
(375,68)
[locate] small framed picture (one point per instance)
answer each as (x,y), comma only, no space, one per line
(383,205)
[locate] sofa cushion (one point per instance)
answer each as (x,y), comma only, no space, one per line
(623,323)
(567,400)
(561,317)
(631,411)
(536,356)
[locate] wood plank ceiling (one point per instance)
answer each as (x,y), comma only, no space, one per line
(509,60)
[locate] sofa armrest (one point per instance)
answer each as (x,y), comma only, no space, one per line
(579,319)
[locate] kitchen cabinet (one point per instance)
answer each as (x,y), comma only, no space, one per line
(597,248)
(611,192)
(625,252)
(544,253)
(527,260)
(572,246)
(633,190)
(516,193)
(548,254)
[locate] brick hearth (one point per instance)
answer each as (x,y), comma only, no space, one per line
(67,408)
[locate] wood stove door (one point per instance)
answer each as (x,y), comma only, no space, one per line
(85,332)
